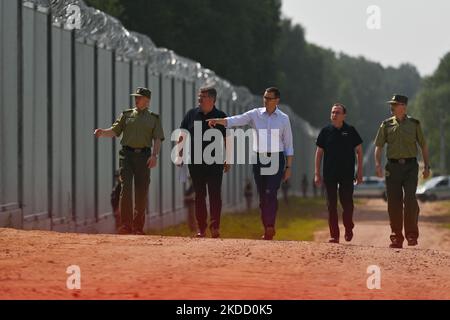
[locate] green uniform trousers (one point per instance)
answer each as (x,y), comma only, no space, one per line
(133,166)
(401,187)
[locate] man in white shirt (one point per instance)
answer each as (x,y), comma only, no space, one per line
(274,142)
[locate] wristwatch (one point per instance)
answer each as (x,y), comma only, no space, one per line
(428,167)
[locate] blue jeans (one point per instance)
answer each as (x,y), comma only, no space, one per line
(268,186)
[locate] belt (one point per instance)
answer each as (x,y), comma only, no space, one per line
(137,150)
(403,161)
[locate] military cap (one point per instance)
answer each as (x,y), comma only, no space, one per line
(398,99)
(142,92)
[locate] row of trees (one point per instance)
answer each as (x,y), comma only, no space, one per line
(313,78)
(250,44)
(432,106)
(235,38)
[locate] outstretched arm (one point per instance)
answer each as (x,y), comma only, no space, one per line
(235,121)
(105,133)
(214,122)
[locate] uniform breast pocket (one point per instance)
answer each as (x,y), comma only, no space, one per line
(149,128)
(392,134)
(409,134)
(130,121)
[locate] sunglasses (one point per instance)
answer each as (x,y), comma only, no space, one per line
(269,98)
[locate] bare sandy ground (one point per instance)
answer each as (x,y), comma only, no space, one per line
(33,266)
(372,226)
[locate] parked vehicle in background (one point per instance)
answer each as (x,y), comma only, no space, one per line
(437,188)
(372,187)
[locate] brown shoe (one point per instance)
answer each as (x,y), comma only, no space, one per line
(269,234)
(124,230)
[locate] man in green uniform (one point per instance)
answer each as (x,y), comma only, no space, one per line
(141,141)
(402,134)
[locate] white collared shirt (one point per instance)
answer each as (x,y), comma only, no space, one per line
(273,133)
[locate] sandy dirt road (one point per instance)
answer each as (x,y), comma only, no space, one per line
(33,266)
(372,226)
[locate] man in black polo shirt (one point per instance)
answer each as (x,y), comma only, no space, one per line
(338,143)
(205,176)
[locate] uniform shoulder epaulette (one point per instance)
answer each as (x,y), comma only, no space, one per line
(388,121)
(414,120)
(155,115)
(128,111)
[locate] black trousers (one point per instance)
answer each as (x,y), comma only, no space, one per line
(345,188)
(207,181)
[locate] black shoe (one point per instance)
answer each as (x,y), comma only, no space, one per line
(349,236)
(333,240)
(139,233)
(269,234)
(215,234)
(412,242)
(396,244)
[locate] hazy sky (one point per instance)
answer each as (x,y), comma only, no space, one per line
(414,31)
